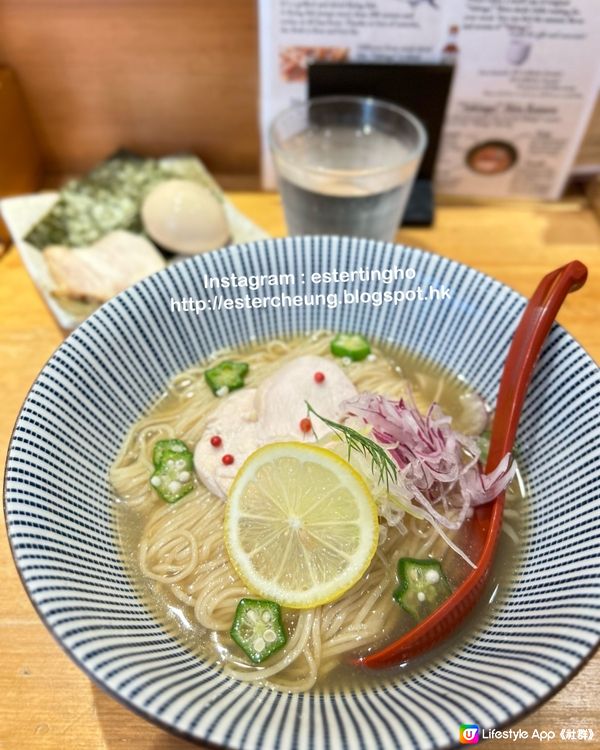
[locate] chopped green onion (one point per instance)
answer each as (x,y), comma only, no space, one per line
(173,476)
(228,376)
(258,628)
(351,345)
(423,586)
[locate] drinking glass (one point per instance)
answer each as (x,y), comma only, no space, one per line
(346,165)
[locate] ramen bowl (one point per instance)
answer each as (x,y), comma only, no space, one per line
(59,504)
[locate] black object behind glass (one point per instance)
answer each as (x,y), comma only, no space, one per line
(422,89)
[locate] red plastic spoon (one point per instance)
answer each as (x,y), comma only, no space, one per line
(527,341)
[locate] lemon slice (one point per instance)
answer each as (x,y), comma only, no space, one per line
(300,525)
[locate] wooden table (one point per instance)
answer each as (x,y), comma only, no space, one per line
(45,700)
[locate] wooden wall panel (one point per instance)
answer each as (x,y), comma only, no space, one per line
(153,75)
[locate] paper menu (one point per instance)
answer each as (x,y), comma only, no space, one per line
(587,161)
(525,84)
(524,89)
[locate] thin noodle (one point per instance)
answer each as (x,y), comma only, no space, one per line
(182,544)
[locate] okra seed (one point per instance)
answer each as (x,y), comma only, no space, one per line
(432,576)
(421,596)
(184,476)
(222,391)
(251,615)
(267,616)
(269,635)
(259,645)
(155,481)
(174,486)
(170,463)
(180,464)
(346,361)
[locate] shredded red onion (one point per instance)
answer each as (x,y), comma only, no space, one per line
(438,465)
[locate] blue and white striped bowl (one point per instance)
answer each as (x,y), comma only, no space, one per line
(58,501)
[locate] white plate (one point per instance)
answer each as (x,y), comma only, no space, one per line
(21,213)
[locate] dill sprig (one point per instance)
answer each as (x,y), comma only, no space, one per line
(356,441)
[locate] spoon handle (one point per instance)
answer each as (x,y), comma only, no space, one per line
(527,342)
(525,347)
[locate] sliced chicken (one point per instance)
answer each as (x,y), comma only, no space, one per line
(281,398)
(107,267)
(235,422)
(249,418)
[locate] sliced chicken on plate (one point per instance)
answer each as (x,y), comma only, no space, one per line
(98,272)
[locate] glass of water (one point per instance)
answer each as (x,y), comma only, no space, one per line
(346,165)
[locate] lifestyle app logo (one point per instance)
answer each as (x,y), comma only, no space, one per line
(468,734)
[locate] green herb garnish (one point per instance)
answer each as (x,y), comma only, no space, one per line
(356,441)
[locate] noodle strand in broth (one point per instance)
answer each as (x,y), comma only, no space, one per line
(180,547)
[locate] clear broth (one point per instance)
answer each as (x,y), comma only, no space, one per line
(434,383)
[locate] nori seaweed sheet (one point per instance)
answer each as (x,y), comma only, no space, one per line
(109,198)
